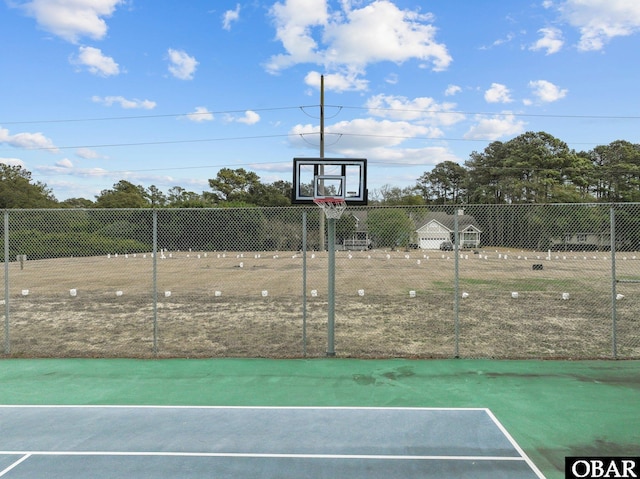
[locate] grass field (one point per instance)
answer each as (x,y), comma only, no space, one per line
(249,304)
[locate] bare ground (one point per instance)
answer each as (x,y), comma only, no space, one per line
(250,304)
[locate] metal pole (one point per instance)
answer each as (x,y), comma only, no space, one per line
(614,293)
(331,233)
(155,281)
(7,342)
(304,284)
(321,116)
(321,167)
(456,283)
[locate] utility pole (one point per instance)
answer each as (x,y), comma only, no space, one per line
(321,167)
(321,116)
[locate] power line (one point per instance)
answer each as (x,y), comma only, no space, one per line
(258,137)
(204,167)
(493,169)
(460,112)
(400,137)
(138,117)
(302,135)
(303,108)
(166,142)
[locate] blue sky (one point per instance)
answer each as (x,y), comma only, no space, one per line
(167,92)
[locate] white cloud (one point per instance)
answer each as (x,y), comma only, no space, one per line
(200,114)
(124,102)
(499,41)
(429,155)
(96,62)
(230,16)
(493,128)
(551,41)
(29,141)
(181,65)
(294,20)
(362,137)
(64,163)
(498,93)
(354,140)
(91,172)
(601,20)
(382,32)
(546,91)
(452,90)
(422,110)
(353,37)
(72,19)
(67,168)
(89,154)
(385,136)
(347,81)
(12,162)
(249,118)
(392,79)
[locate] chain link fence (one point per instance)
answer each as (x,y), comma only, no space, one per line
(477,281)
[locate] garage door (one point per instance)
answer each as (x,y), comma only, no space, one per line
(432,242)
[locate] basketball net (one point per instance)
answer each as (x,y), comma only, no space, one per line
(332,207)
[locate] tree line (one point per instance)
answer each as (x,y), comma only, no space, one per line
(534,167)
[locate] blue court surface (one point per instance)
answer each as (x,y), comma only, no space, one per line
(70,442)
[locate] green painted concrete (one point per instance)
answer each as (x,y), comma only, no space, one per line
(553,409)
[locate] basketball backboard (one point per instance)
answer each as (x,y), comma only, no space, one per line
(329,177)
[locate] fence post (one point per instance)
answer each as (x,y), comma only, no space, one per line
(456,280)
(614,293)
(7,342)
(304,284)
(331,233)
(155,281)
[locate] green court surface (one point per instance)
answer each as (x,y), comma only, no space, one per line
(552,409)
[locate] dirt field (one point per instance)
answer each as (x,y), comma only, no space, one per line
(388,304)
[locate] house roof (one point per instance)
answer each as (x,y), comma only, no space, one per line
(446,220)
(361,219)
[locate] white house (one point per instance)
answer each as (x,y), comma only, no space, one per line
(440,227)
(586,241)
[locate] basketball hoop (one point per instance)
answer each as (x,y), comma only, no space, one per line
(332,207)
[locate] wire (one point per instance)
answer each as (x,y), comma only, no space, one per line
(283,135)
(302,135)
(167,142)
(303,107)
(178,168)
(483,140)
(454,112)
(138,117)
(318,106)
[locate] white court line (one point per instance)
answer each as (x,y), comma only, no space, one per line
(258,455)
(515,445)
(24,458)
(137,406)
